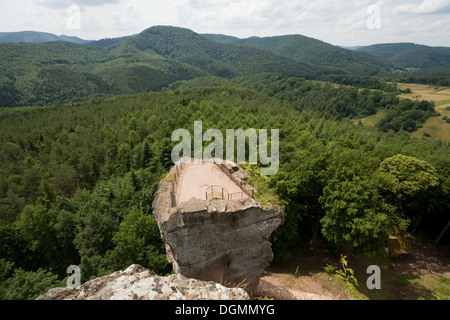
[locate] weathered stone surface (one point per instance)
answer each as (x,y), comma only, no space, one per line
(136,283)
(226,241)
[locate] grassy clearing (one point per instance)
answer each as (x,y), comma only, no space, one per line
(438,286)
(371,121)
(424,92)
(442,103)
(435,128)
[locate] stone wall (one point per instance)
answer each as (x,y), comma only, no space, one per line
(238,176)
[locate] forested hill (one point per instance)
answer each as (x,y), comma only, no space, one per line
(410,55)
(304,49)
(216,58)
(37,37)
(62,72)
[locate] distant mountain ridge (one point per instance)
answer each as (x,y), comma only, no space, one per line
(217,58)
(370,60)
(54,71)
(37,37)
(410,55)
(299,48)
(308,50)
(62,72)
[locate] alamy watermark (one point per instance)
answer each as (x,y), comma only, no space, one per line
(236,140)
(74,18)
(74,281)
(374,281)
(374,20)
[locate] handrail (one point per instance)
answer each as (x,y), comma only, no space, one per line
(236,195)
(218,192)
(215,191)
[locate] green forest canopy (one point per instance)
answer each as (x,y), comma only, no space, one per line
(37,74)
(77,181)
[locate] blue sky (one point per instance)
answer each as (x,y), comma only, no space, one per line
(347,23)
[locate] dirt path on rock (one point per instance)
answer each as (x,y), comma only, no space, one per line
(196,178)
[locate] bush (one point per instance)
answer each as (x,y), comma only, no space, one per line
(28,285)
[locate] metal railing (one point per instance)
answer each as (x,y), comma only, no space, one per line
(217,192)
(236,196)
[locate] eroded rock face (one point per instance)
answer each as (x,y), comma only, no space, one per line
(136,283)
(226,241)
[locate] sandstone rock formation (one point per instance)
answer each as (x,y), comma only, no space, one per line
(226,241)
(136,283)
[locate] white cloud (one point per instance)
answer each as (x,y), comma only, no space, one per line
(426,7)
(58,4)
(129,19)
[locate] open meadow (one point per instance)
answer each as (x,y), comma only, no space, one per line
(435,128)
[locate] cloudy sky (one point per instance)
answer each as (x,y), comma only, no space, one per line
(347,23)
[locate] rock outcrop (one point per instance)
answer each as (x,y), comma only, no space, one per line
(136,283)
(226,241)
